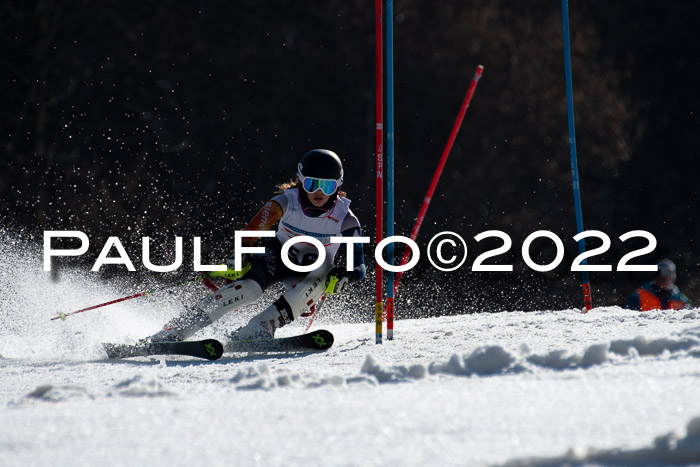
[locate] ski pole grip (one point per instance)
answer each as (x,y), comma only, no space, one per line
(330,288)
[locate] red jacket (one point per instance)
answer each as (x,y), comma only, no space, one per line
(652,297)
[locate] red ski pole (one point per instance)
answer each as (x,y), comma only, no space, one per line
(440,167)
(228,274)
(63,316)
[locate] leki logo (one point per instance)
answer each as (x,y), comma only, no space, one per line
(233,300)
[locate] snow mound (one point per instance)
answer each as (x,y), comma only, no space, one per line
(495,360)
(56,393)
(484,361)
(261,377)
(392,375)
(668,449)
(138,387)
(132,387)
(642,346)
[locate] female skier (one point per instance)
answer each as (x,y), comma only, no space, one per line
(313,206)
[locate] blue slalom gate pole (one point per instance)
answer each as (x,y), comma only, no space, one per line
(587,299)
(389,14)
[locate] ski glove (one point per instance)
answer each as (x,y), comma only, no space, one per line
(337,280)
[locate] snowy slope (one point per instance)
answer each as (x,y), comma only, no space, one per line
(540,388)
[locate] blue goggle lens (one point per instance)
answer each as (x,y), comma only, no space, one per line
(311,185)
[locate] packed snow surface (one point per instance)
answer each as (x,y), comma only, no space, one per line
(552,387)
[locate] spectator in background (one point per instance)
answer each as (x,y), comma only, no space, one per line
(661,293)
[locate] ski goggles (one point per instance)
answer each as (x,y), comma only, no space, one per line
(311,185)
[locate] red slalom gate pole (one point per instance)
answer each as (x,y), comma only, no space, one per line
(440,167)
(379,78)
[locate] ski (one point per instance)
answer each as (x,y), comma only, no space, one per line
(208,348)
(212,349)
(317,340)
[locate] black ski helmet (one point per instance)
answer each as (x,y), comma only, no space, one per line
(321,163)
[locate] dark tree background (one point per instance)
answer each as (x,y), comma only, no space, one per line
(159,118)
